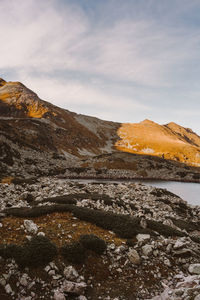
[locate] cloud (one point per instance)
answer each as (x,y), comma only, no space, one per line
(39,35)
(121,59)
(85,97)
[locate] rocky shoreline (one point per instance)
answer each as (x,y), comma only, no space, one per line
(152,246)
(125,179)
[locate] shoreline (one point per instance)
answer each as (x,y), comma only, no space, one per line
(126,179)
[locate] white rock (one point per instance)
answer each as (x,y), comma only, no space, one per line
(167,262)
(119,270)
(194,269)
(70,273)
(155,253)
(47,268)
(8,289)
(143,223)
(169,248)
(23,280)
(41,233)
(73,287)
(53,265)
(29,237)
(52,272)
(59,296)
(82,297)
(180,243)
(147,250)
(197,297)
(134,257)
(143,237)
(2,282)
(112,247)
(30,226)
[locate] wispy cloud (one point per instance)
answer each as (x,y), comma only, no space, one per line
(119,63)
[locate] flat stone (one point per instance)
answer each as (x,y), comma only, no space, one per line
(143,237)
(8,289)
(183,253)
(41,233)
(23,280)
(2,282)
(59,296)
(73,287)
(180,243)
(147,250)
(194,269)
(134,257)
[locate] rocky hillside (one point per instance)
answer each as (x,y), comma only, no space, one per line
(71,240)
(38,138)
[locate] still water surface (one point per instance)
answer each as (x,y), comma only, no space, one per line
(186,190)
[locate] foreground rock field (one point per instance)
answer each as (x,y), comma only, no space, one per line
(61,239)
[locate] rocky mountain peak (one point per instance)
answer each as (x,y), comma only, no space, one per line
(17,100)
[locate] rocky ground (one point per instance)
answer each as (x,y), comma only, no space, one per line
(142,242)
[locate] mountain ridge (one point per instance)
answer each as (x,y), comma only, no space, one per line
(29,124)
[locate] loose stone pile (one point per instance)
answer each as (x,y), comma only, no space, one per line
(137,268)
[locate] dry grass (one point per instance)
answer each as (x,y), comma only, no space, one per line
(147,137)
(69,229)
(7,180)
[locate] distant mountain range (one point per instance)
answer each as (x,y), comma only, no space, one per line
(35,130)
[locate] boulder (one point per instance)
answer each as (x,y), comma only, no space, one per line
(194,269)
(30,226)
(70,273)
(59,296)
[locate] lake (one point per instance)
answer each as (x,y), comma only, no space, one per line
(186,190)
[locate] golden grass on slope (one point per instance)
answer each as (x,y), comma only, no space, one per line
(2,82)
(35,111)
(150,138)
(11,92)
(7,180)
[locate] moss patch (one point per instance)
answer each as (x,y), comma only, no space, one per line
(74,252)
(36,252)
(93,243)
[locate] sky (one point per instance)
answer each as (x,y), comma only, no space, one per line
(123,61)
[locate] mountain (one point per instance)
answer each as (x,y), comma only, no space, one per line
(88,240)
(38,137)
(170,141)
